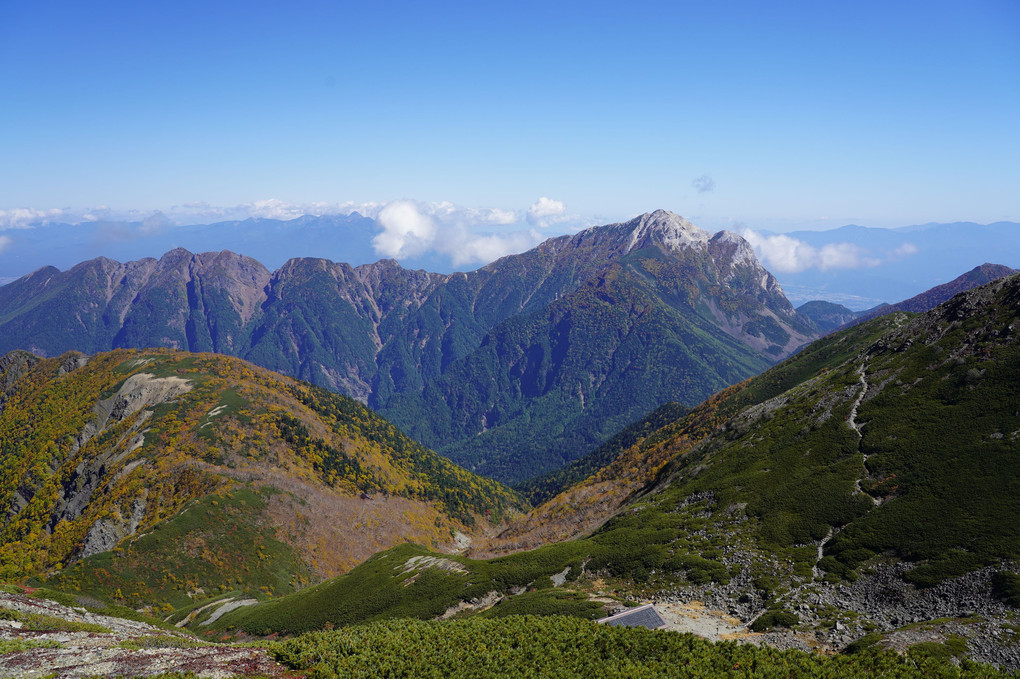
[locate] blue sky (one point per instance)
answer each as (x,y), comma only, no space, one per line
(796,114)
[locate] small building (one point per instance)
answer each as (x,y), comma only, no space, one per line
(642,616)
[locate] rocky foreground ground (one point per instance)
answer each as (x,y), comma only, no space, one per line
(59,642)
(42,638)
(832,616)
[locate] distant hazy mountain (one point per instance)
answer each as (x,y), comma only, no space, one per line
(345,238)
(899,263)
(929,299)
(828,316)
(513,369)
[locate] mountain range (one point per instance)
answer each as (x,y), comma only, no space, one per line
(511,370)
(828,316)
(875,265)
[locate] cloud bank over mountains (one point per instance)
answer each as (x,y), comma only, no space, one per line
(410,229)
(784,254)
(418,231)
(854,265)
(781,253)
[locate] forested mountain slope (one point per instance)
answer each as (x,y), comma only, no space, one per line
(513,369)
(929,299)
(895,437)
(201,471)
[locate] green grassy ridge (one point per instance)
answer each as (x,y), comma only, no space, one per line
(792,473)
(951,501)
(796,474)
(569,648)
(945,450)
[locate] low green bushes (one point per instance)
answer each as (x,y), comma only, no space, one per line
(570,648)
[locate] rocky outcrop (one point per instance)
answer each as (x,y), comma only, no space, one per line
(122,648)
(13,366)
(138,392)
(106,533)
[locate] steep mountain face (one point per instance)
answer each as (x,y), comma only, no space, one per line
(513,369)
(195,302)
(202,471)
(897,437)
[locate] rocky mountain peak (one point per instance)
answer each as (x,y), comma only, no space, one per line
(173,257)
(739,250)
(664,228)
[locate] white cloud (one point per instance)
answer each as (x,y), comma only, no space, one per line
(201,212)
(407,229)
(488,248)
(406,232)
(5,242)
(906,250)
(410,229)
(784,254)
(450,212)
(546,211)
(26,218)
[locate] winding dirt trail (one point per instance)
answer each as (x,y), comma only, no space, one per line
(852,419)
(851,422)
(816,573)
